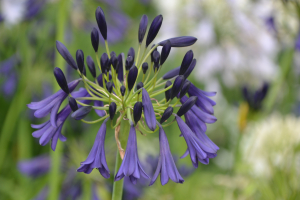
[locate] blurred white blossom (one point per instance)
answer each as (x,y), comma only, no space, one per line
(271,144)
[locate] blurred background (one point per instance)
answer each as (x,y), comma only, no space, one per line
(247,50)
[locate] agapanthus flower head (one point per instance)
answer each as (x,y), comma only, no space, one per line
(116,93)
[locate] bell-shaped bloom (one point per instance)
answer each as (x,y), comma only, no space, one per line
(131,165)
(193,144)
(51,104)
(96,157)
(203,102)
(182,41)
(206,144)
(148,110)
(49,132)
(166,166)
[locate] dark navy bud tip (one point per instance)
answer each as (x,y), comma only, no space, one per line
(91,66)
(154,28)
(187,105)
(132,75)
(145,67)
(186,61)
(137,111)
(122,90)
(73,104)
(80,59)
(185,88)
(168,92)
(61,80)
(100,17)
(177,85)
(112,110)
(165,52)
(95,39)
(168,112)
(143,28)
(81,112)
(139,86)
(109,86)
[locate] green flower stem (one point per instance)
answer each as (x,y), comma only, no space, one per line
(138,55)
(117,124)
(175,104)
(161,91)
(91,98)
(98,61)
(54,175)
(123,135)
(95,121)
(107,49)
(148,76)
(149,84)
(144,129)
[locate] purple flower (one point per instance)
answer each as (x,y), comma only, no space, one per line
(194,145)
(9,75)
(131,165)
(297,42)
(35,167)
(203,102)
(255,99)
(52,104)
(182,41)
(148,110)
(166,166)
(49,132)
(96,157)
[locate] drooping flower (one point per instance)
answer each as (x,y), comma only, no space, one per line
(96,157)
(131,165)
(49,132)
(166,166)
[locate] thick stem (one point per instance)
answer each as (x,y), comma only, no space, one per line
(121,136)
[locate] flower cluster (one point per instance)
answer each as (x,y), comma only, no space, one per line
(128,86)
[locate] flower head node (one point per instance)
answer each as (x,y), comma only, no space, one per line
(130,87)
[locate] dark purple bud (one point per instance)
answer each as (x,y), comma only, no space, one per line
(95,39)
(185,88)
(177,85)
(122,90)
(165,52)
(112,110)
(65,54)
(80,59)
(109,86)
(81,112)
(101,22)
(168,112)
(154,28)
(132,75)
(190,69)
(168,92)
(182,41)
(172,73)
(91,66)
(73,104)
(139,86)
(119,69)
(187,60)
(137,111)
(113,53)
(155,56)
(143,28)
(145,67)
(114,61)
(187,105)
(61,80)
(131,53)
(153,52)
(104,61)
(129,62)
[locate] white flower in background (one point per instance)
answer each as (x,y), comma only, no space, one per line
(234,42)
(12,11)
(271,144)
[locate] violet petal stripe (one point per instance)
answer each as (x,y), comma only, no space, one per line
(148,110)
(203,116)
(182,41)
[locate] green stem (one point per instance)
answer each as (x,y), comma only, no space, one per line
(118,185)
